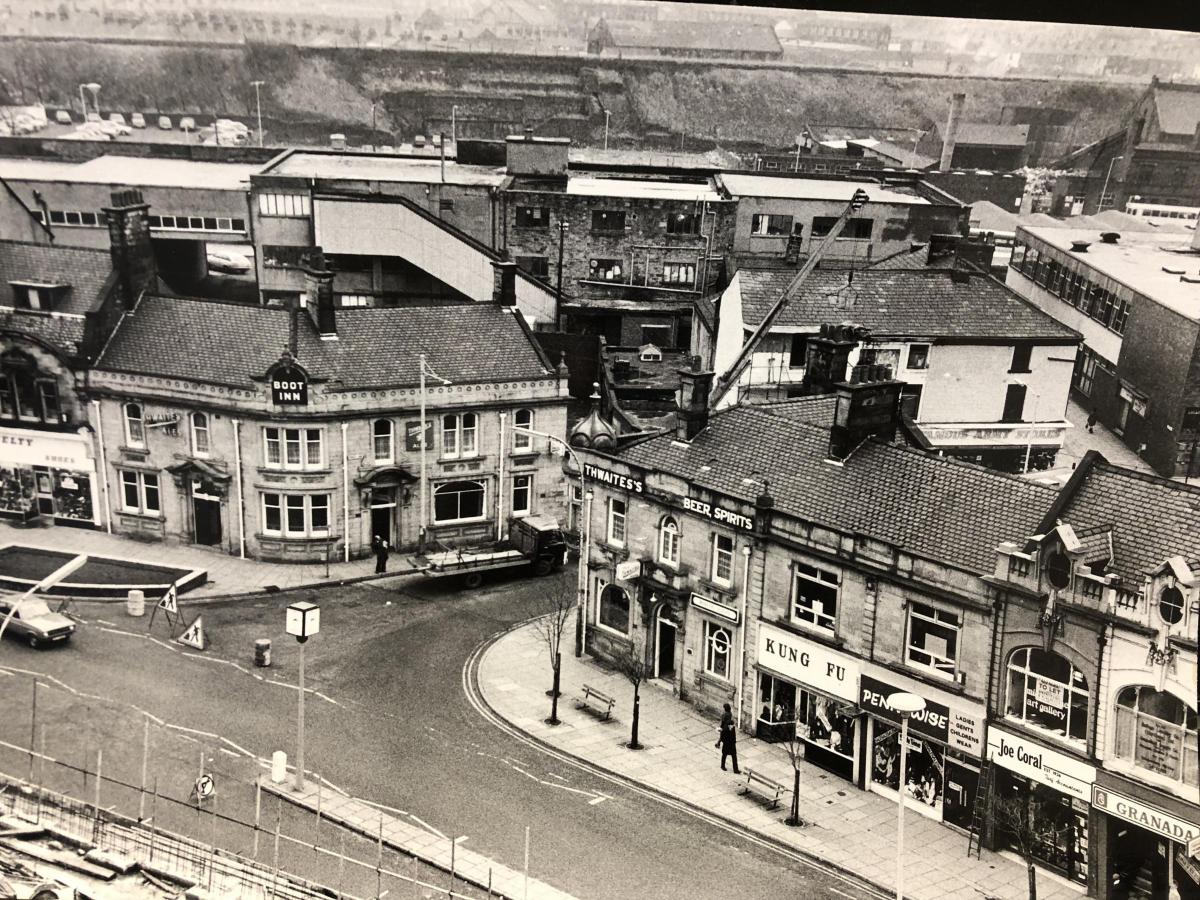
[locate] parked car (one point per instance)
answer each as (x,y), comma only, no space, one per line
(226,261)
(62,117)
(116,117)
(187,123)
(164,122)
(35,621)
(89,131)
(93,117)
(112,129)
(137,120)
(232,125)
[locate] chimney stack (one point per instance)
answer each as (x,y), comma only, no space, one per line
(318,292)
(951,134)
(504,283)
(828,355)
(868,405)
(129,243)
(695,385)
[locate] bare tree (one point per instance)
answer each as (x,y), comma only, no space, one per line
(1031,822)
(631,662)
(553,611)
(795,752)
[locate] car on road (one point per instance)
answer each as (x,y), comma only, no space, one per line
(62,117)
(227,261)
(36,622)
(164,122)
(137,120)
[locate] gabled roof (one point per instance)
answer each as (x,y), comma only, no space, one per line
(230,344)
(725,36)
(894,494)
(1178,108)
(1150,518)
(924,303)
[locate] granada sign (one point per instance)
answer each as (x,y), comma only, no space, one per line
(1149,817)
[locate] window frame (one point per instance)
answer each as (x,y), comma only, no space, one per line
(522,482)
(284,205)
(302,439)
(670,538)
(604,268)
(1125,747)
(377,435)
(917,353)
(1027,673)
(285,506)
(933,618)
(713,631)
(135,424)
(525,212)
(522,442)
(459,432)
(772,225)
(138,480)
(809,616)
(601,225)
(617,521)
(441,490)
(600,607)
(719,554)
(682,223)
(198,428)
(673,273)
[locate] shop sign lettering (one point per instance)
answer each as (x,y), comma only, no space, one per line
(1158,746)
(718,514)
(60,451)
(1046,766)
(808,663)
(614,479)
(957,728)
(1145,815)
(289,387)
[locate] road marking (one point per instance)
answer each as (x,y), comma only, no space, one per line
(596,796)
(843,893)
(427,826)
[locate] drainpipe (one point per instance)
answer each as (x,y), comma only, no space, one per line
(241,498)
(103,466)
(741,684)
(500,484)
(345,497)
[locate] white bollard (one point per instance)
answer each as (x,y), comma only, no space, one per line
(135,603)
(278,767)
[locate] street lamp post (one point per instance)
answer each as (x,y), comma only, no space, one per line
(258,108)
(906,705)
(421,537)
(563,225)
(46,583)
(303,621)
(1104,190)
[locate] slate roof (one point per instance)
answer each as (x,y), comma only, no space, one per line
(726,36)
(902,303)
(983,134)
(1150,518)
(377,347)
(941,509)
(1178,109)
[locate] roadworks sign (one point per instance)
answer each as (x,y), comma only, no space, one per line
(170,601)
(193,635)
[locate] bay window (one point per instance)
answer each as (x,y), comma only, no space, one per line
(1156,731)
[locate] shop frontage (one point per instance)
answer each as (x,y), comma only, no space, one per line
(808,691)
(945,747)
(1042,796)
(48,476)
(1146,835)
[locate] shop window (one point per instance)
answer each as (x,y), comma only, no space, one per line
(459,501)
(925,765)
(522,440)
(717,643)
(616,522)
(1046,691)
(814,596)
(533,217)
(722,560)
(459,435)
(918,356)
(293,448)
(200,442)
(932,639)
(668,541)
(608,220)
(522,495)
(1156,731)
(139,493)
(382,438)
(135,427)
(764,225)
(296,515)
(683,223)
(614,609)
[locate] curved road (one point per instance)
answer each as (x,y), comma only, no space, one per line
(406,733)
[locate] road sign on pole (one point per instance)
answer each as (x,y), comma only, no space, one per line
(204,788)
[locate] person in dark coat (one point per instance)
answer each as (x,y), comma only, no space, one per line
(728,740)
(1091,421)
(380,548)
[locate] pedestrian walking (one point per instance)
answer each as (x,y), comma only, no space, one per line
(380,548)
(728,740)
(1091,421)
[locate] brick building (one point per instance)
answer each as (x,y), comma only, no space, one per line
(744,40)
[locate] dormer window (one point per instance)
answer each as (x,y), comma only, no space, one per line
(1170,605)
(36,296)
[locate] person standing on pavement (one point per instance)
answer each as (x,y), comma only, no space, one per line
(728,740)
(380,548)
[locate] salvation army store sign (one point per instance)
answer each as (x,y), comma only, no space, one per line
(1040,763)
(808,663)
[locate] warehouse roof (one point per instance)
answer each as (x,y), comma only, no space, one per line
(814,189)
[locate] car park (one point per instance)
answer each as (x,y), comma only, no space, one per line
(36,622)
(137,120)
(164,122)
(227,261)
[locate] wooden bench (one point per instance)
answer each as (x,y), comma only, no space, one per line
(601,698)
(768,787)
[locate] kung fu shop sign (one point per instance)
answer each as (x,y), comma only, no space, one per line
(289,386)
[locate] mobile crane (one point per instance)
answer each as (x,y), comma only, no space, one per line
(729,380)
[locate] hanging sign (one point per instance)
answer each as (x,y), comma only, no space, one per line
(629,570)
(412,435)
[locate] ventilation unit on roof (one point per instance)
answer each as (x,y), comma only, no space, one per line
(1190,279)
(1080,246)
(1110,237)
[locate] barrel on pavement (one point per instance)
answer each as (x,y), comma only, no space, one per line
(262,653)
(135,603)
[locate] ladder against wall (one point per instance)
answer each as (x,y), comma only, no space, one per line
(981,810)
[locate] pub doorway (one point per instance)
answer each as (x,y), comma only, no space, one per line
(206,515)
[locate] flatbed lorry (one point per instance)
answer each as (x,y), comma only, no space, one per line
(533,541)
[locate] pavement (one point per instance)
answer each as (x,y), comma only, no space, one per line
(846,828)
(1079,440)
(372,822)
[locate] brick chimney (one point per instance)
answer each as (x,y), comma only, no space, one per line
(868,405)
(695,385)
(951,134)
(829,355)
(318,292)
(129,243)
(504,283)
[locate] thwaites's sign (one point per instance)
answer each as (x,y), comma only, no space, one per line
(614,479)
(289,386)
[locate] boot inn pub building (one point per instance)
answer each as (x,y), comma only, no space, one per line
(782,558)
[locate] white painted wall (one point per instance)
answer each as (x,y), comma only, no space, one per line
(1098,338)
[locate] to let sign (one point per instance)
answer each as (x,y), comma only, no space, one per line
(289,386)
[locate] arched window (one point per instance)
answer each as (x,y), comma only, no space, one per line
(381,435)
(135,429)
(1156,730)
(522,440)
(1045,690)
(614,609)
(458,501)
(200,441)
(668,541)
(717,641)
